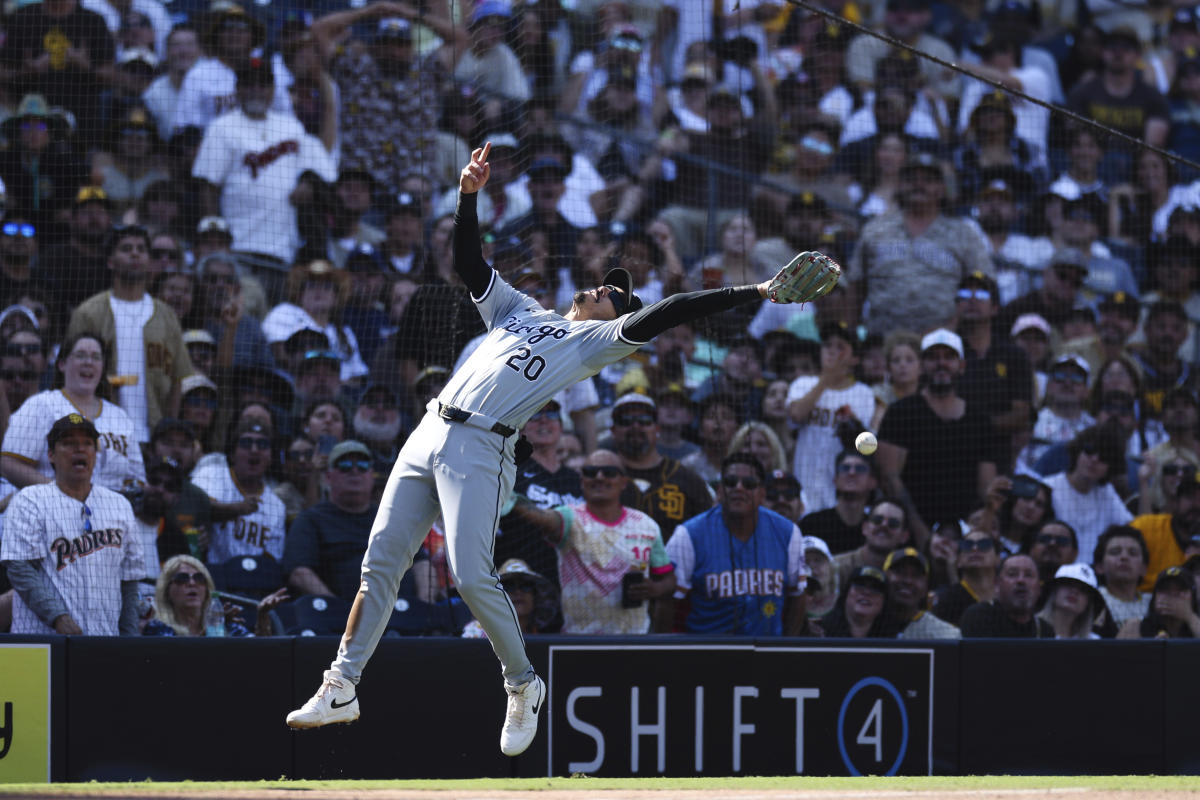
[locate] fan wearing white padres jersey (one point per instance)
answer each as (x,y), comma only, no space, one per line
(80,371)
(69,546)
(241,478)
(460,460)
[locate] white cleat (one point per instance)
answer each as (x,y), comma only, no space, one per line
(520,722)
(335,701)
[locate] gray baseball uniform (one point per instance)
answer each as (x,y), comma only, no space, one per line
(460,457)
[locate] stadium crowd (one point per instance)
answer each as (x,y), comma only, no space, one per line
(228,295)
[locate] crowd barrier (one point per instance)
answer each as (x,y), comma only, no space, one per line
(167,709)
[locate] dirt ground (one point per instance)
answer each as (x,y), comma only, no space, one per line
(283,793)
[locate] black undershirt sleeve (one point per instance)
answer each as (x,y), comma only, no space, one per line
(644,325)
(468,253)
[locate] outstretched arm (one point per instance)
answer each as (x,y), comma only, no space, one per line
(468,254)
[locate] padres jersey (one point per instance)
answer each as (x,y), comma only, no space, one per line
(85,555)
(529,355)
(593,558)
(118,454)
(260,533)
(738,587)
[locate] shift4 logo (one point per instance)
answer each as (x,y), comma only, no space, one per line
(6,730)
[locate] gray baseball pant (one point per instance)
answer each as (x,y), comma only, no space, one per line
(467,473)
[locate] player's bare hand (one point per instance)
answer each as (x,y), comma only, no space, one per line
(476,173)
(67,626)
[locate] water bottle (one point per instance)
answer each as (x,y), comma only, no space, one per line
(214,623)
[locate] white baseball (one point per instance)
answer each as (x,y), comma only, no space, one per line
(866,443)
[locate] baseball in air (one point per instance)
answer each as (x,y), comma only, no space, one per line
(866,443)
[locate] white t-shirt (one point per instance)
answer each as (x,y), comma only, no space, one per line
(582,182)
(257,162)
(260,533)
(286,318)
(1089,514)
(118,455)
(86,567)
(695,24)
(817,445)
(210,89)
(130,317)
(161,98)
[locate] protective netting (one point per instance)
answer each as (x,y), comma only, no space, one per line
(227,242)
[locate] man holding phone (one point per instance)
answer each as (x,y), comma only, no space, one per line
(606,552)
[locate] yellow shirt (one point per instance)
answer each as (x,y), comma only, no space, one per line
(1164,549)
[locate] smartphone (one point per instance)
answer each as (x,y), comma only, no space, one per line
(627,580)
(325,444)
(1025,487)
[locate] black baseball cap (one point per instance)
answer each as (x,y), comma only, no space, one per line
(620,279)
(169,424)
(67,424)
(842,330)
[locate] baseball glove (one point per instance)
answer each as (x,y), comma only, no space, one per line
(809,276)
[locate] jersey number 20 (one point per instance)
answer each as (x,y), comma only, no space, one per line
(532,369)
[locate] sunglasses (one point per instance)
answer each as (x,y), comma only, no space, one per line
(974,294)
(645,420)
(19,228)
(815,145)
(18,349)
(1172,470)
(1070,276)
(169,484)
(33,126)
(254,443)
(519,586)
(746,481)
(164,252)
(184,578)
(895,523)
(348,465)
(853,469)
(1057,540)
(1069,376)
(782,494)
(23,374)
(546,415)
(599,472)
(617,297)
(979,545)
(200,401)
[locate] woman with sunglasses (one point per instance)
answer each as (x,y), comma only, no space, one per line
(81,383)
(976,558)
(183,594)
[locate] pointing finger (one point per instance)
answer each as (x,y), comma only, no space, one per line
(487,149)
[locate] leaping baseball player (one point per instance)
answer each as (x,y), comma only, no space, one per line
(460,459)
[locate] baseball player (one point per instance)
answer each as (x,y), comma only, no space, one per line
(461,457)
(69,546)
(24,459)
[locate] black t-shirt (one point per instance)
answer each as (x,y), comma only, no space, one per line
(331,542)
(993,382)
(949,602)
(38,191)
(74,276)
(943,456)
(827,525)
(1031,303)
(1127,114)
(545,489)
(670,493)
(989,621)
(32,33)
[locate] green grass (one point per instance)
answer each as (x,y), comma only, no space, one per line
(981,782)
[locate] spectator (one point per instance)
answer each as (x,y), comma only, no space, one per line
(1073,605)
(534,599)
(254,160)
(1083,219)
(1010,615)
(1120,560)
(1055,300)
(975,569)
(907,574)
(783,495)
(902,355)
(757,439)
(22,366)
(601,543)
(919,241)
(740,378)
(141,334)
(62,52)
(324,548)
(862,609)
(675,415)
(261,532)
(44,550)
(40,169)
(1064,414)
(546,187)
(673,493)
(402,249)
(316,293)
(324,422)
(377,424)
(1001,62)
(1020,505)
(1016,255)
(126,160)
(18,255)
(210,87)
(737,562)
(840,526)
(1054,545)
(162,96)
(1083,495)
(201,347)
(932,447)
(718,423)
(166,257)
(1158,360)
(224,315)
(823,407)
(182,595)
(487,62)
(81,376)
(883,530)
(77,269)
(1169,535)
(199,402)
(908,21)
(822,586)
(1174,610)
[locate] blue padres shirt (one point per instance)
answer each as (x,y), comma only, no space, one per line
(738,587)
